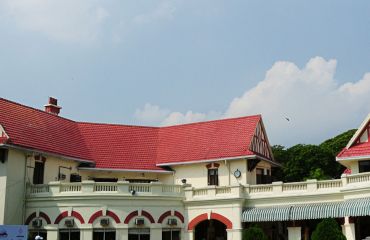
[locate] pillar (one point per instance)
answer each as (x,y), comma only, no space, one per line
(52,231)
(348,228)
(156,231)
(86,232)
(294,233)
(188,235)
(234,234)
(122,233)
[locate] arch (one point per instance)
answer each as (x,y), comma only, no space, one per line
(215,216)
(180,216)
(224,220)
(131,216)
(148,216)
(45,216)
(30,217)
(163,216)
(78,216)
(114,216)
(60,217)
(95,216)
(197,220)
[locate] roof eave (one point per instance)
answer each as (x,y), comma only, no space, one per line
(363,157)
(32,150)
(124,170)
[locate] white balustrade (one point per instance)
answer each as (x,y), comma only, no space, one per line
(262,188)
(298,186)
(105,187)
(337,183)
(359,178)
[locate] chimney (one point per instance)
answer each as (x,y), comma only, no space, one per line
(52,107)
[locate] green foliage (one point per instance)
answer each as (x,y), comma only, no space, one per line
(328,229)
(301,162)
(254,232)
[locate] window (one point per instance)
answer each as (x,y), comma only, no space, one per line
(263,176)
(171,234)
(364,166)
(104,234)
(38,172)
(213,176)
(139,234)
(69,234)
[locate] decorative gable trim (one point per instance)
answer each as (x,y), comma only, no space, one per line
(260,143)
(363,129)
(3,135)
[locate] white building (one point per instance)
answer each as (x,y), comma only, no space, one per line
(208,180)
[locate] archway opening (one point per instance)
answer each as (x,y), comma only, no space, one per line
(210,230)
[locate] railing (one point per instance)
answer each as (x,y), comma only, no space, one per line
(297,186)
(359,178)
(280,189)
(91,187)
(260,188)
(70,187)
(328,184)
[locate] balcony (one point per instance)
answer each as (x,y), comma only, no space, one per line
(333,189)
(91,188)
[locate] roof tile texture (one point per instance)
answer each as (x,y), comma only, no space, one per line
(126,147)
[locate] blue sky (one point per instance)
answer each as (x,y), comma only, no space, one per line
(169,62)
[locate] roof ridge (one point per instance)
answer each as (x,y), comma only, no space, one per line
(35,109)
(116,124)
(214,120)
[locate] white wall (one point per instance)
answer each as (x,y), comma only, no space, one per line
(3,178)
(15,188)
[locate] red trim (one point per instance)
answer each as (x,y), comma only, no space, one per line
(180,216)
(131,216)
(197,220)
(163,216)
(45,216)
(148,216)
(224,220)
(95,216)
(114,216)
(60,217)
(78,216)
(30,217)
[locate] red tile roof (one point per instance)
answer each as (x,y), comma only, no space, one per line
(357,150)
(126,147)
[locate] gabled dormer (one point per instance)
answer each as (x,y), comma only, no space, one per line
(356,155)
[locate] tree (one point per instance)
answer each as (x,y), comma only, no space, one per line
(301,162)
(328,229)
(254,232)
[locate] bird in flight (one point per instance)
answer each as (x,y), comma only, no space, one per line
(288,119)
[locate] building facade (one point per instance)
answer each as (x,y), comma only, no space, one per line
(208,180)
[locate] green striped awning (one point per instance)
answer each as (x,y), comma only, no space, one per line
(356,207)
(316,211)
(266,214)
(293,212)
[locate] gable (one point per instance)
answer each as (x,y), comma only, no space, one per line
(259,143)
(3,136)
(362,134)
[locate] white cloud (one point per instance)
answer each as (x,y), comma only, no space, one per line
(67,21)
(151,114)
(317,105)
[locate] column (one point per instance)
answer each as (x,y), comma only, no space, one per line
(156,231)
(86,232)
(348,228)
(122,232)
(294,233)
(188,235)
(52,231)
(234,234)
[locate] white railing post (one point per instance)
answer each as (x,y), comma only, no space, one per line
(277,187)
(188,193)
(237,191)
(344,179)
(87,186)
(156,188)
(212,191)
(123,187)
(311,185)
(54,187)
